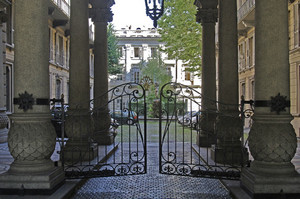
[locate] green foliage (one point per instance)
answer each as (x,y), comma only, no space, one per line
(181,33)
(113,52)
(157,71)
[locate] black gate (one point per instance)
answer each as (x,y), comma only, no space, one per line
(120,149)
(191,141)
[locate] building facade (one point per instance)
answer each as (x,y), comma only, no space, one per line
(59,52)
(137,45)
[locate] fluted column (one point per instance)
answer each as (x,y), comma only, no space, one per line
(101,14)
(208,15)
(78,123)
(229,127)
(3,116)
(31,139)
(272,139)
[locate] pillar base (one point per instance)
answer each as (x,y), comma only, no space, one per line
(206,140)
(3,135)
(228,155)
(105,138)
(271,185)
(75,152)
(27,183)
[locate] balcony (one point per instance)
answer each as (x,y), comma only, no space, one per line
(63,5)
(245,10)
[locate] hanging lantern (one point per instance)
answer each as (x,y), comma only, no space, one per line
(154,9)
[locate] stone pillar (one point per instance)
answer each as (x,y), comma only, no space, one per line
(31,139)
(272,139)
(229,126)
(101,14)
(3,117)
(78,122)
(208,15)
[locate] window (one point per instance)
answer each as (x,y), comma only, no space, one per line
(243,89)
(242,58)
(120,77)
(252,86)
(137,52)
(51,52)
(92,64)
(67,53)
(250,55)
(60,51)
(121,51)
(135,74)
(9,25)
(187,75)
(169,69)
(153,52)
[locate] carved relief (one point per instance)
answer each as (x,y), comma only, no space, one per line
(272,142)
(31,140)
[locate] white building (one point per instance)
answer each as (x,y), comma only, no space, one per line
(140,44)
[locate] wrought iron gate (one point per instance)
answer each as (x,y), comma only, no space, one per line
(191,141)
(82,156)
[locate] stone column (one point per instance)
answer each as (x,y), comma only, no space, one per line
(272,139)
(208,15)
(229,126)
(3,117)
(31,139)
(78,122)
(101,14)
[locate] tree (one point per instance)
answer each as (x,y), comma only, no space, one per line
(157,71)
(181,33)
(113,52)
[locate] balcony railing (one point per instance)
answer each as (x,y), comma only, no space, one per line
(245,9)
(63,5)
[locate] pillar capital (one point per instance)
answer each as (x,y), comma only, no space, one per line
(207,15)
(101,14)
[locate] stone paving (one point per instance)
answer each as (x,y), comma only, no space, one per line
(152,185)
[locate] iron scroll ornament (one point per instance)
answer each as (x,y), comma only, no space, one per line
(25,101)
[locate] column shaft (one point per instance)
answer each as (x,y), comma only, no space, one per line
(79,55)
(78,122)
(208,18)
(272,139)
(229,127)
(101,14)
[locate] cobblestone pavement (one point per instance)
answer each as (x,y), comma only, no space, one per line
(152,185)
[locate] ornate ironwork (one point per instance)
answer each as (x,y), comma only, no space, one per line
(25,101)
(185,147)
(127,153)
(146,81)
(154,9)
(279,103)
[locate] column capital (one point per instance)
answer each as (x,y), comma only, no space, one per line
(101,14)
(207,15)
